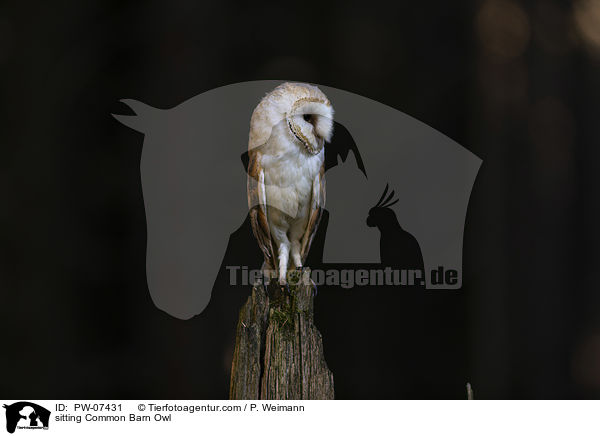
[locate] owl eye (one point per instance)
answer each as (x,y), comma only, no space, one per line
(307,117)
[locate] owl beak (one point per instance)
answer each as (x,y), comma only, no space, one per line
(320,143)
(314,150)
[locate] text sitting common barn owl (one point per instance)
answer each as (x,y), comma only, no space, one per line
(286,185)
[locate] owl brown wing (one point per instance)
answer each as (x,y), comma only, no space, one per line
(258,209)
(317,205)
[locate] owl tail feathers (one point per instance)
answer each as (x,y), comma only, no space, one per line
(145,115)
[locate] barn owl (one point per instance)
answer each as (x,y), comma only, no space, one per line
(286,185)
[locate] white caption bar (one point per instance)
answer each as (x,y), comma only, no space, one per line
(155,417)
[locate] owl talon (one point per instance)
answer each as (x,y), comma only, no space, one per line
(283,283)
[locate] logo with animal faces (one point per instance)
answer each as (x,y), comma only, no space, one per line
(25,415)
(194,171)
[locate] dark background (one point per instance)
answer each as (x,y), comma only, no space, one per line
(517,83)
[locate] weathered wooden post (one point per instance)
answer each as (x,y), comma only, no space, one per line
(279,352)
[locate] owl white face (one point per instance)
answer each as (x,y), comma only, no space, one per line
(311,130)
(303,128)
(300,114)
